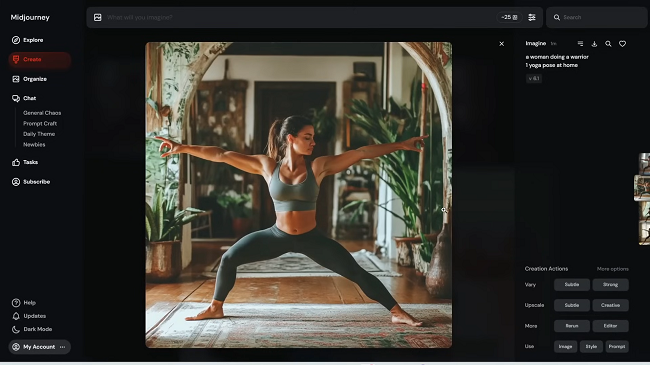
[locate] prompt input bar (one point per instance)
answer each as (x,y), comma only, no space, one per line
(314,17)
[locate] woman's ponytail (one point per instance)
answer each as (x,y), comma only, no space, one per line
(275,140)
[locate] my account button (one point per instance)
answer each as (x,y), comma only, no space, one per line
(40,61)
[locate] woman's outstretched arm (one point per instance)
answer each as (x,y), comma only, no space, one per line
(330,165)
(254,164)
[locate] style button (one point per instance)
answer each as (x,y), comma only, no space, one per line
(591,347)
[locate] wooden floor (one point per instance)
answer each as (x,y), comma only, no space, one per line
(193,287)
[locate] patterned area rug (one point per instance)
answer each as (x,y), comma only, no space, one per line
(302,326)
(296,264)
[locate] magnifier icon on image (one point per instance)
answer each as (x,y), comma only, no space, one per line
(15,98)
(608,43)
(556,17)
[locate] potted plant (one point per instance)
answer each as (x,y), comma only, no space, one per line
(164,227)
(401,170)
(239,206)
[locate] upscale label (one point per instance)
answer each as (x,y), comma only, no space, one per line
(534,305)
(37,329)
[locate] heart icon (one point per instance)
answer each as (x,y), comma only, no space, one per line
(621,43)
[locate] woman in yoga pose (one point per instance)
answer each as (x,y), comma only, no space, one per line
(294,185)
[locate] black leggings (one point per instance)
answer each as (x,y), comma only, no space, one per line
(272,242)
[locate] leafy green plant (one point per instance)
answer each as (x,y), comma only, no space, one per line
(237,205)
(426,249)
(400,167)
(160,171)
(163,220)
(400,123)
(324,123)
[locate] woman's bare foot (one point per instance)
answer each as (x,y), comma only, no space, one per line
(401,317)
(214,311)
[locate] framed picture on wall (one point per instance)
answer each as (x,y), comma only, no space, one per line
(355,137)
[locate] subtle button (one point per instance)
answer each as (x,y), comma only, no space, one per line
(37,61)
(571,305)
(566,346)
(611,305)
(611,285)
(572,284)
(571,326)
(611,326)
(591,347)
(620,347)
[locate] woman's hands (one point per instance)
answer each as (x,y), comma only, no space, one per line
(173,147)
(414,144)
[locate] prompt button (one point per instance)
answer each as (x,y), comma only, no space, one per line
(39,347)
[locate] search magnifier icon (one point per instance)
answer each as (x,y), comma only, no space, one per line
(608,43)
(556,17)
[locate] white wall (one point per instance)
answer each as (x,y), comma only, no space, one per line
(290,68)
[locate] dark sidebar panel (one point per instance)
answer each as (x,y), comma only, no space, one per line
(42,258)
(581,275)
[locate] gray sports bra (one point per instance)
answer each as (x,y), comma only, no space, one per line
(297,197)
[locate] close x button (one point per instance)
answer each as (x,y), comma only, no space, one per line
(40,61)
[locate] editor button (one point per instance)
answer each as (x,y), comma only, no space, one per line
(39,61)
(39,347)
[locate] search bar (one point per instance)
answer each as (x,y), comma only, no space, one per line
(314,17)
(605,17)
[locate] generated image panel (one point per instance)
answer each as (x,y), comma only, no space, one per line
(298,195)
(642,188)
